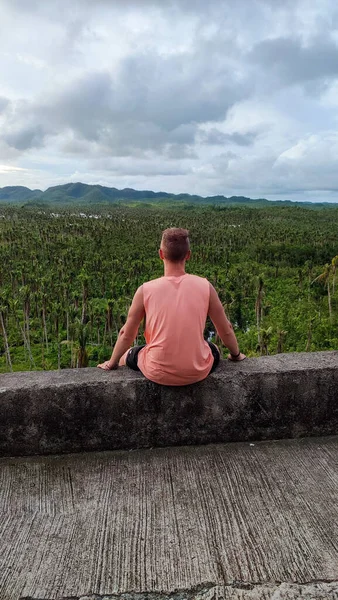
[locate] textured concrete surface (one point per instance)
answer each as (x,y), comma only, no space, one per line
(237,521)
(283,396)
(322,591)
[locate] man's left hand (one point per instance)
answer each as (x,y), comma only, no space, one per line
(107,366)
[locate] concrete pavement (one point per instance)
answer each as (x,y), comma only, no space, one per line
(242,521)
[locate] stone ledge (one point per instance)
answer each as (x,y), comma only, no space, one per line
(282,396)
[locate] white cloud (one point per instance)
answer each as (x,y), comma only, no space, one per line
(10,169)
(311,164)
(203,97)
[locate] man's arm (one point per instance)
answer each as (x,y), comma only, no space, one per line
(128,332)
(223,326)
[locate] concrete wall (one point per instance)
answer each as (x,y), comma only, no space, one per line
(283,396)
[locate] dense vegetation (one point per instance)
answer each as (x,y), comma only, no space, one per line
(67,279)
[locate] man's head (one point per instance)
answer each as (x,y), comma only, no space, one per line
(175,245)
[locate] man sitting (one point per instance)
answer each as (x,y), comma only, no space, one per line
(175,308)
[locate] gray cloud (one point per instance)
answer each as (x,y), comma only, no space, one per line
(149,103)
(29,137)
(219,138)
(291,62)
(4,103)
(141,166)
(177,90)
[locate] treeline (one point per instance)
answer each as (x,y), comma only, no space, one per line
(73,195)
(67,280)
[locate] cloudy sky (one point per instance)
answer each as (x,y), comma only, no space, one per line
(201,96)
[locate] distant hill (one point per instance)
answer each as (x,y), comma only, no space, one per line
(18,193)
(72,194)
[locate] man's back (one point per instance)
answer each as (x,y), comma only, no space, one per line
(176,307)
(176,310)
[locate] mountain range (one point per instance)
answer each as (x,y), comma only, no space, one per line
(72,194)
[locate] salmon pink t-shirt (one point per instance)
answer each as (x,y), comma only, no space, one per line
(176,310)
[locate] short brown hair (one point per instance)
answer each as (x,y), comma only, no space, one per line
(175,244)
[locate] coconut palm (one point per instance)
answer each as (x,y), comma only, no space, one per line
(3,313)
(281,339)
(324,279)
(259,309)
(334,264)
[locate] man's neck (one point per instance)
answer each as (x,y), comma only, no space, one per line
(174,269)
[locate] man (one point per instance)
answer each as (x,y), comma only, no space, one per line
(175,308)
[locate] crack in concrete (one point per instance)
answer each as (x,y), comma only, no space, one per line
(211,591)
(183,594)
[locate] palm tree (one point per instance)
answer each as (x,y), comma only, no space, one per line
(3,312)
(82,356)
(334,264)
(309,335)
(84,278)
(265,335)
(25,293)
(324,279)
(281,340)
(259,309)
(43,300)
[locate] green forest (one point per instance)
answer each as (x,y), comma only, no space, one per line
(67,277)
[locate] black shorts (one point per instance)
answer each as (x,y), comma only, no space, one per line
(131,360)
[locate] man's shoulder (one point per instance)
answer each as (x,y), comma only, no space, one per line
(198,280)
(152,284)
(152,281)
(197,277)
